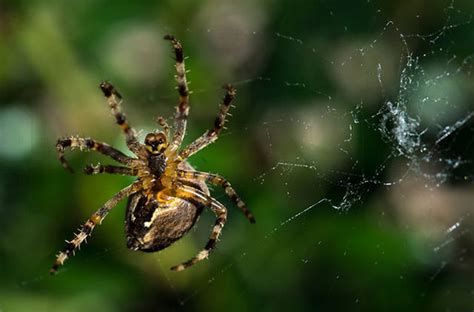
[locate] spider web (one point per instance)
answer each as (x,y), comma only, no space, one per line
(422,124)
(385,148)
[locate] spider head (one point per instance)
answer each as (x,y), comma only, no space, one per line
(156,143)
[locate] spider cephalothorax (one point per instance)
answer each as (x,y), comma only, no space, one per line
(155,144)
(168,195)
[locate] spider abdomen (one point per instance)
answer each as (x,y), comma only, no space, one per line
(157,224)
(154,227)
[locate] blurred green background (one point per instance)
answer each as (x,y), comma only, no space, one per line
(336,144)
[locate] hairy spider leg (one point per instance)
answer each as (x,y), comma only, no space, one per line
(114,99)
(182,109)
(190,176)
(89,145)
(87,227)
(211,135)
(96,169)
(200,198)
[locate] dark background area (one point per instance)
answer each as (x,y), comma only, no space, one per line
(351,142)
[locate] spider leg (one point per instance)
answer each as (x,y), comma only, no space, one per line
(87,227)
(96,169)
(211,135)
(190,176)
(182,110)
(114,99)
(88,144)
(164,125)
(199,197)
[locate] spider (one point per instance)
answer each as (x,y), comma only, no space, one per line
(166,199)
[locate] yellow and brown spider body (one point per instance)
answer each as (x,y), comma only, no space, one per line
(155,220)
(168,195)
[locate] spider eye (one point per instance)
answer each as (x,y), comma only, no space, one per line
(156,143)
